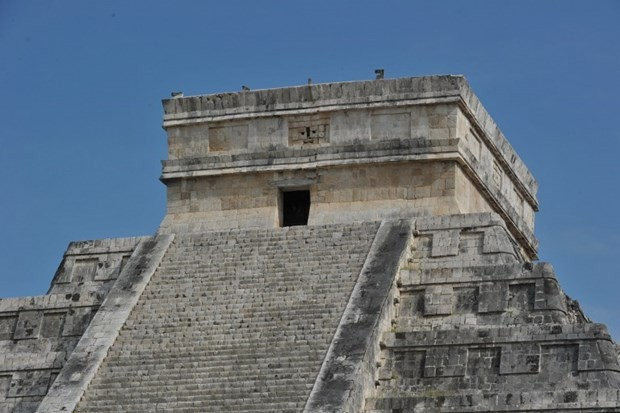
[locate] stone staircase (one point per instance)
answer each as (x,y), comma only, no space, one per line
(238,320)
(476,329)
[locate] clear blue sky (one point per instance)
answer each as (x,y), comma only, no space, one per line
(80,113)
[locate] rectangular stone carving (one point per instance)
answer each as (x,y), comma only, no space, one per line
(597,355)
(28,325)
(5,382)
(29,383)
(52,325)
(474,144)
(521,297)
(422,247)
(390,125)
(471,243)
(349,126)
(7,327)
(497,175)
(521,358)
(84,269)
(438,300)
(228,138)
(107,267)
(559,360)
(308,130)
(409,364)
(411,303)
(483,361)
(77,320)
(493,297)
(445,243)
(465,300)
(445,362)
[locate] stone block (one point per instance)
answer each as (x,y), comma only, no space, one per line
(7,326)
(496,240)
(84,269)
(445,362)
(493,297)
(438,300)
(483,361)
(390,125)
(28,325)
(471,242)
(409,364)
(228,137)
(29,383)
(521,297)
(523,358)
(77,320)
(445,243)
(559,360)
(52,325)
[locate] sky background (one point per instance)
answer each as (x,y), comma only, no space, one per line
(81,84)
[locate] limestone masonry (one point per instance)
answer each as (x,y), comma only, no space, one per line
(346,247)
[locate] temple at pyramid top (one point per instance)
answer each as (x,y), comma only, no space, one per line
(341,152)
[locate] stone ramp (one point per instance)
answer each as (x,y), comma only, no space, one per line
(239,320)
(476,329)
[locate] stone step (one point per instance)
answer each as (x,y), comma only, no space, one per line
(239,320)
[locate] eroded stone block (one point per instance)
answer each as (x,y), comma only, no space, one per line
(228,137)
(483,361)
(438,300)
(445,243)
(522,358)
(29,383)
(466,300)
(471,243)
(84,269)
(521,297)
(445,362)
(52,325)
(28,325)
(7,327)
(77,321)
(390,125)
(493,297)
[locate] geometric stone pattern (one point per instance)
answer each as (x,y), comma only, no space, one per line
(39,333)
(484,331)
(239,320)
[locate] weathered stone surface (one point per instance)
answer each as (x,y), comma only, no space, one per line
(38,334)
(225,149)
(99,335)
(233,321)
(412,288)
(484,331)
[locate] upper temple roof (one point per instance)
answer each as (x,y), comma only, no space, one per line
(347,95)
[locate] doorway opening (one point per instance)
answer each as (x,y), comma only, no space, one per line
(295,208)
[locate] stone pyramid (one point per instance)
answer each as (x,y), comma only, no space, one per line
(346,247)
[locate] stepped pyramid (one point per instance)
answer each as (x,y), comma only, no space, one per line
(346,247)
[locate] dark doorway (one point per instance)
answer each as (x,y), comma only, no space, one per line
(295,208)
